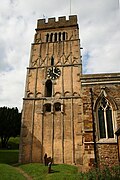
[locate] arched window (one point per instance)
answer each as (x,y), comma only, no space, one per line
(63,36)
(55,37)
(51,37)
(47,107)
(48,88)
(47,37)
(105,119)
(59,36)
(57,106)
(52,61)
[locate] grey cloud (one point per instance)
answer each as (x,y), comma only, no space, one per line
(4,65)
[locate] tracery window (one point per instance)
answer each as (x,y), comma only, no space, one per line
(105,119)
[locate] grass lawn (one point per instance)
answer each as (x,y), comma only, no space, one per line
(35,170)
(8,172)
(59,172)
(40,172)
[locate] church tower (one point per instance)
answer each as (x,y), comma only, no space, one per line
(52,106)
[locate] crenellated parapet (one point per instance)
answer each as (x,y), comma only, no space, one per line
(52,23)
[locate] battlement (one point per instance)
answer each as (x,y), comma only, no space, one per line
(52,23)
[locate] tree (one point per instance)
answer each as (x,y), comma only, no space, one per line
(10,122)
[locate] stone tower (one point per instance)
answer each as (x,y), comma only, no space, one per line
(52,107)
(73,117)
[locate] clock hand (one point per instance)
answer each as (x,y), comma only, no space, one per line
(56,74)
(54,70)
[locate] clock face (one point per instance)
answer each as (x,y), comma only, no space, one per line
(53,73)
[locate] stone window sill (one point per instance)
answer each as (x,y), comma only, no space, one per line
(110,140)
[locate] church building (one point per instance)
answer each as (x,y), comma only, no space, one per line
(70,116)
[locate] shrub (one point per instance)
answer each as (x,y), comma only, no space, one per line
(106,173)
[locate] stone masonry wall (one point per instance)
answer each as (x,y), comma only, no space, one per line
(107,151)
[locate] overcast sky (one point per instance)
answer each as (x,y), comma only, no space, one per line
(99,23)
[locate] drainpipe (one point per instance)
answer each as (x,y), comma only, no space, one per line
(94,130)
(118,149)
(117,133)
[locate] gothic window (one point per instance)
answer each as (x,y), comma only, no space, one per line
(47,37)
(105,119)
(47,107)
(48,88)
(57,106)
